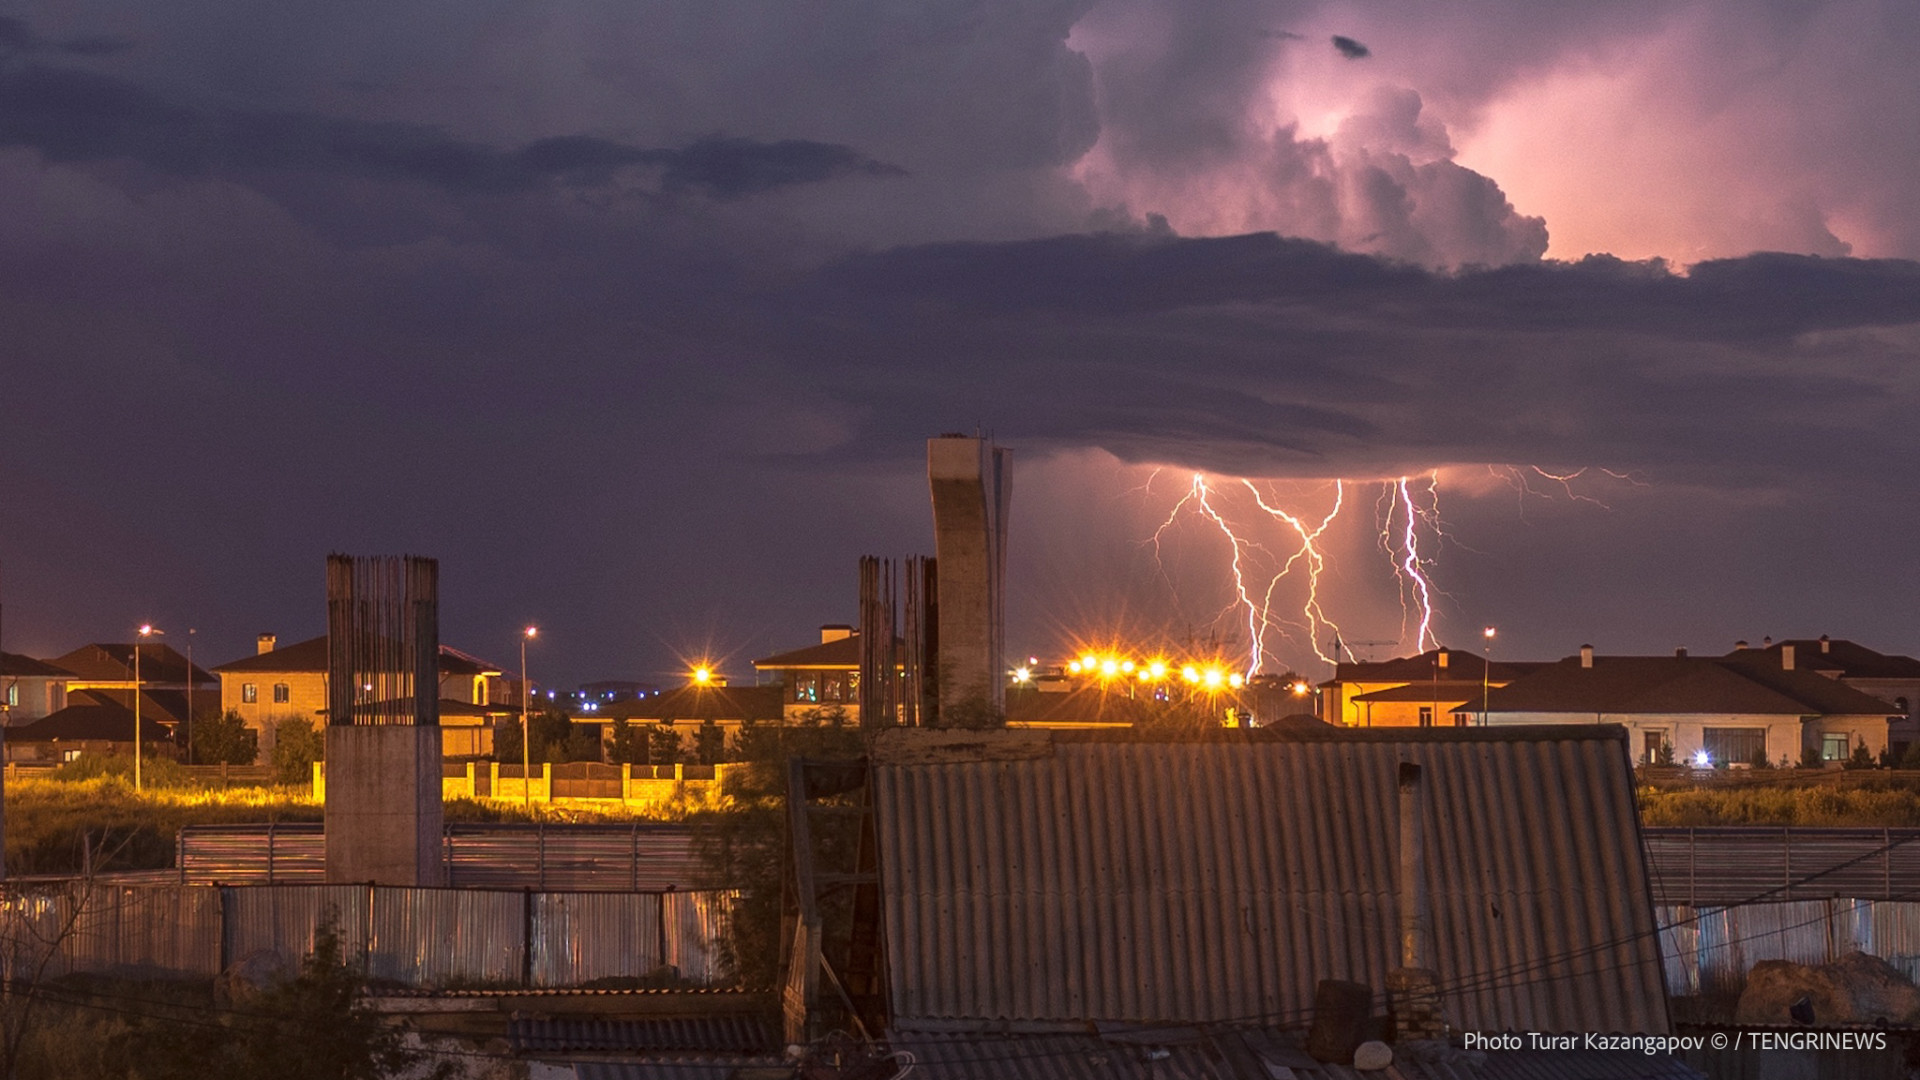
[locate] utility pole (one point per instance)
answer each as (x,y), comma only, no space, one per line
(526,722)
(146,631)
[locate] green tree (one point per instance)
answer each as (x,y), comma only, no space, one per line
(1861,758)
(224,740)
(550,732)
(297,744)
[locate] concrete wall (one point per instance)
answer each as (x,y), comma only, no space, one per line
(971,482)
(383,808)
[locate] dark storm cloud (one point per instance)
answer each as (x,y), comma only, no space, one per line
(1350,48)
(70,115)
(1265,355)
(18,37)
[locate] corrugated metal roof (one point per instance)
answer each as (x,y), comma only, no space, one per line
(729,1034)
(688,1068)
(1029,877)
(1251,1054)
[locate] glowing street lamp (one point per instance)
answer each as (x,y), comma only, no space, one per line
(146,631)
(1486,673)
(703,675)
(1022,675)
(526,721)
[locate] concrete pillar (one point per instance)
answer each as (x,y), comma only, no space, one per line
(473,787)
(546,781)
(493,779)
(320,781)
(384,816)
(972,485)
(626,781)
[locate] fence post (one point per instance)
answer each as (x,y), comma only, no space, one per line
(540,858)
(366,946)
(526,938)
(1786,861)
(1886,861)
(1693,867)
(473,781)
(270,828)
(180,853)
(546,777)
(626,781)
(634,860)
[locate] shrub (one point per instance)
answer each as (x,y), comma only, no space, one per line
(223,740)
(297,744)
(1862,758)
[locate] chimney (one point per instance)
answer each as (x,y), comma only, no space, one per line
(1767,642)
(1413,993)
(265,644)
(833,632)
(1680,653)
(1440,658)
(1586,656)
(1740,646)
(1786,658)
(1826,644)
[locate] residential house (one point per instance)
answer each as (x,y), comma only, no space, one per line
(1102,889)
(1413,691)
(1719,710)
(277,683)
(1891,678)
(821,678)
(171,688)
(91,724)
(31,689)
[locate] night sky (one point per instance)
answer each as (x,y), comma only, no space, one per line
(637,314)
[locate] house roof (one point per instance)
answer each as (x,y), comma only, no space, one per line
(113,662)
(108,722)
(843,653)
(701,703)
(26,667)
(310,656)
(1851,659)
(1074,876)
(1462,665)
(1681,684)
(166,706)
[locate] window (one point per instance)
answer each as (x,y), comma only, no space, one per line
(1834,748)
(1651,742)
(282,693)
(833,687)
(249,693)
(13,695)
(806,686)
(1426,716)
(1725,746)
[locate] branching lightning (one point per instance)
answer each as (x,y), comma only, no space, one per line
(1410,533)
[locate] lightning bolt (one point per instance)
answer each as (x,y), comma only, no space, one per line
(1411,567)
(1309,549)
(1256,624)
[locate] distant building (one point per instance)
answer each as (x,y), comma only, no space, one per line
(170,687)
(277,683)
(1731,708)
(31,689)
(1892,678)
(687,709)
(819,678)
(1413,691)
(89,725)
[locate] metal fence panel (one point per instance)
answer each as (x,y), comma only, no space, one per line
(578,938)
(447,937)
(167,929)
(282,919)
(694,923)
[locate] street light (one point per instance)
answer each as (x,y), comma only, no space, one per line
(1486,673)
(146,631)
(526,721)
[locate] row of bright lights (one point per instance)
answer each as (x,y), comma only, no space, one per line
(1211,676)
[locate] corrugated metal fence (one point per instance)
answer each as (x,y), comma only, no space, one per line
(640,856)
(418,937)
(1735,865)
(1711,949)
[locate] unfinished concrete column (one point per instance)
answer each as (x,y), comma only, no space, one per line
(1413,994)
(383,804)
(972,484)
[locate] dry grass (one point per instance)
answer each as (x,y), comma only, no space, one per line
(1879,804)
(48,820)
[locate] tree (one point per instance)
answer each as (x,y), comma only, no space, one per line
(1810,758)
(309,1027)
(626,744)
(709,743)
(297,744)
(1664,755)
(1861,758)
(507,741)
(224,740)
(1760,760)
(663,745)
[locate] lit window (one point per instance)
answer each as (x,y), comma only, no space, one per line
(1426,716)
(282,693)
(249,693)
(13,695)
(806,687)
(1834,748)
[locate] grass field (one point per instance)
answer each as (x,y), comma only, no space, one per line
(50,821)
(1881,803)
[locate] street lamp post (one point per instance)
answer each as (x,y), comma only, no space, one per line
(1486,673)
(146,631)
(526,721)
